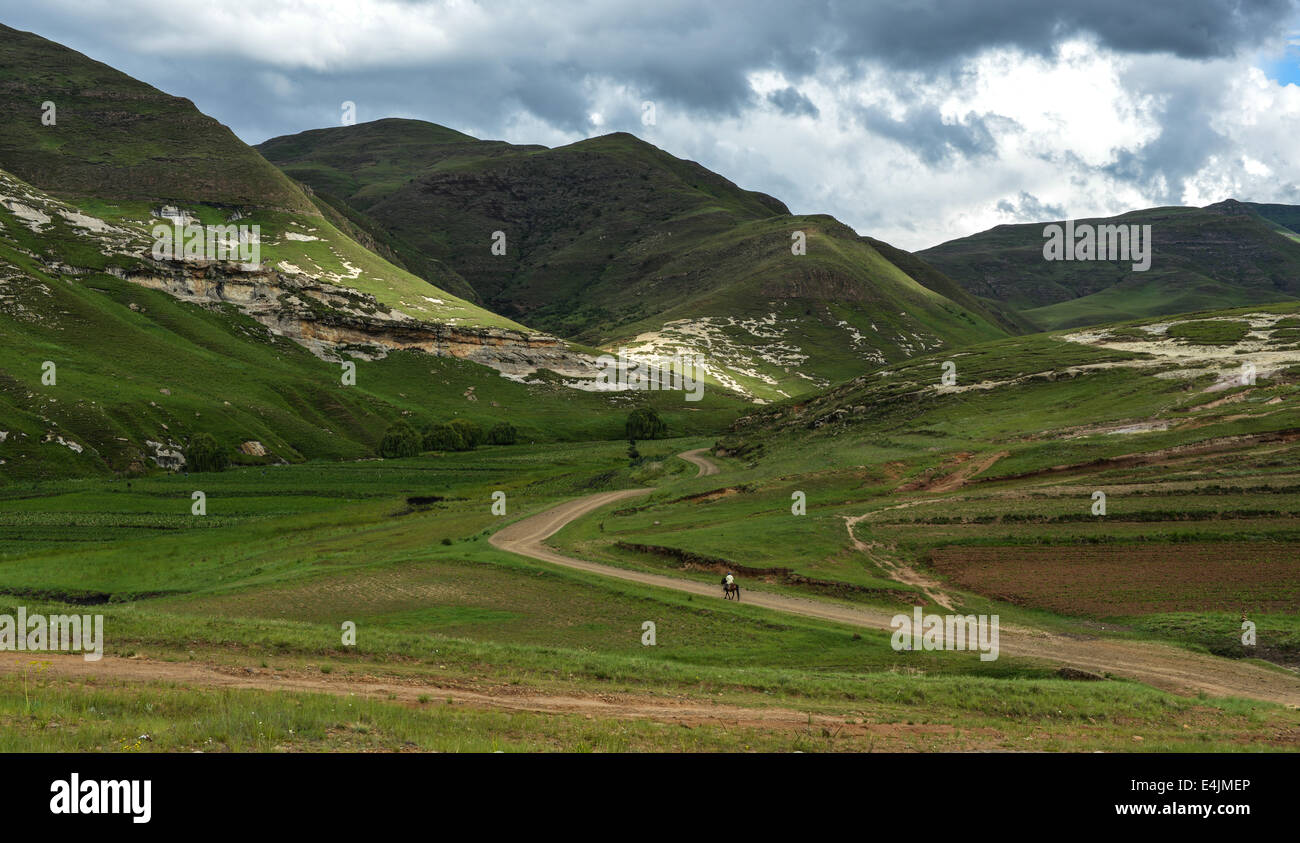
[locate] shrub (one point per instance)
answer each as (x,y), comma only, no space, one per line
(644,423)
(1210,331)
(204,454)
(443,437)
(469,431)
(401,440)
(734,446)
(503,433)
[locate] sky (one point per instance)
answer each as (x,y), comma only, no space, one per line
(914,121)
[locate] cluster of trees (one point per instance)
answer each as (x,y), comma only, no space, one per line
(644,423)
(403,440)
(202,453)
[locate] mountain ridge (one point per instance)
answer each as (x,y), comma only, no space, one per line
(615,242)
(115,137)
(1223,255)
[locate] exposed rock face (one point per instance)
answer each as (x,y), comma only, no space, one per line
(167,455)
(330,320)
(67,443)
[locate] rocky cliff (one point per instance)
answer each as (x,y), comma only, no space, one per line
(333,321)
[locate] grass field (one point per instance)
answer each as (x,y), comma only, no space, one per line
(988,486)
(286,555)
(42,713)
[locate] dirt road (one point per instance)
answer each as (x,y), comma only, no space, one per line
(706,467)
(966,468)
(421,692)
(1166,667)
(407,690)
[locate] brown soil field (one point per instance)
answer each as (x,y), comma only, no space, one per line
(1132,579)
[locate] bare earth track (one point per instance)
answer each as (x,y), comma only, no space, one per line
(419,693)
(1170,668)
(706,467)
(1162,666)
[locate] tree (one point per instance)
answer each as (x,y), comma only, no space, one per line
(469,431)
(401,440)
(204,454)
(644,423)
(633,455)
(443,437)
(503,433)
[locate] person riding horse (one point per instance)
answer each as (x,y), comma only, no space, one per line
(730,589)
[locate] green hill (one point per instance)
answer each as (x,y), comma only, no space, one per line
(931,278)
(1224,255)
(115,137)
(146,353)
(1142,478)
(121,151)
(779,325)
(141,365)
(1286,216)
(567,213)
(613,242)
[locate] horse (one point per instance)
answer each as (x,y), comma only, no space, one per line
(730,590)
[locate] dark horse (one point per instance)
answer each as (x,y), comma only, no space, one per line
(730,590)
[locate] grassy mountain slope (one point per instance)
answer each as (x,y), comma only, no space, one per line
(121,150)
(1223,255)
(566,213)
(115,137)
(783,324)
(613,241)
(377,239)
(984,490)
(1287,216)
(926,275)
(135,366)
(147,353)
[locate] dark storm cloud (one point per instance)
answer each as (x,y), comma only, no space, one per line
(697,56)
(920,35)
(793,103)
(1029,208)
(923,131)
(1161,167)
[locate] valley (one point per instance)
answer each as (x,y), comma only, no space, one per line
(372,486)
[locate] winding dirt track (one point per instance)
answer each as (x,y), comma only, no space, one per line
(705,466)
(1164,667)
(424,692)
(418,691)
(1170,668)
